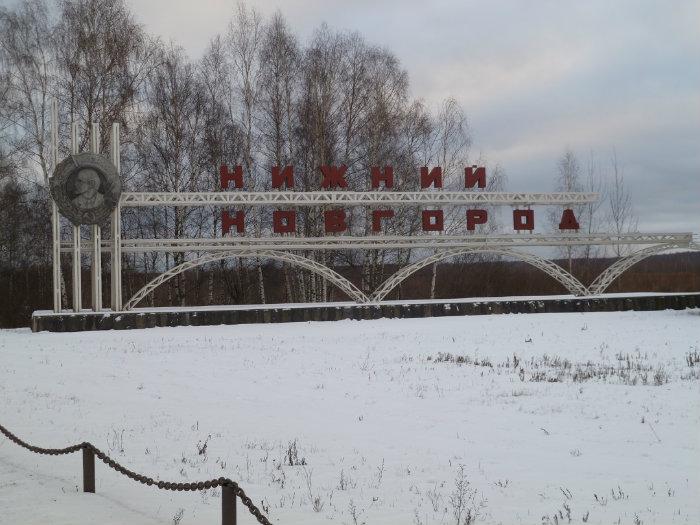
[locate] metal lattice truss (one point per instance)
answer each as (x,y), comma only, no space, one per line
(386,242)
(351,198)
(280,248)
(569,282)
(330,275)
(612,272)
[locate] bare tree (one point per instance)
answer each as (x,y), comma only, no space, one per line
(621,216)
(103,59)
(169,146)
(591,218)
(24,235)
(279,58)
(568,180)
(26,59)
(245,38)
(5,122)
(320,114)
(451,146)
(223,141)
(374,101)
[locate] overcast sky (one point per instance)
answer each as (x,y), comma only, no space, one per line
(534,77)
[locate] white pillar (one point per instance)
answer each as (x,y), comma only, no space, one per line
(55,219)
(116,227)
(96,269)
(77,284)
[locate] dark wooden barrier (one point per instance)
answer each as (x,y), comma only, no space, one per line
(70,322)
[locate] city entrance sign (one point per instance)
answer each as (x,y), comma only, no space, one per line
(85,190)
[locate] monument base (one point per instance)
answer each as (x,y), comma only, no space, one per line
(286,313)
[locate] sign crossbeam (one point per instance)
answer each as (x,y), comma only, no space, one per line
(231,244)
(351,198)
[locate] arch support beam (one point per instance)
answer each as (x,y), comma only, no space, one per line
(612,272)
(555,271)
(570,283)
(330,275)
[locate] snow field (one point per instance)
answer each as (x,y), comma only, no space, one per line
(590,417)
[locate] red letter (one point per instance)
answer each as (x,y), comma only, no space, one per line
(286,176)
(477,177)
(568,220)
(428,224)
(237,220)
(335,221)
(523,220)
(433,177)
(377,216)
(387,176)
(284,221)
(334,176)
(475,217)
(226,176)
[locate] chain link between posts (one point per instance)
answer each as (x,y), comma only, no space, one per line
(163,485)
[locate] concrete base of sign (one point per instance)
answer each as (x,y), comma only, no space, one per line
(245,314)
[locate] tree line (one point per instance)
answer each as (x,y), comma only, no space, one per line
(257,97)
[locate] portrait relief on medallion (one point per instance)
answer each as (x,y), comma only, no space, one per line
(86,188)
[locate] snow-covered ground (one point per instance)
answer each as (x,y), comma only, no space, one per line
(515,419)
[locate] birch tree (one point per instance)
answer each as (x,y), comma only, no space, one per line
(245,38)
(279,58)
(568,180)
(222,144)
(621,216)
(27,61)
(592,219)
(170,146)
(451,152)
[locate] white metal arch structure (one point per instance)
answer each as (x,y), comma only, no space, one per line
(612,272)
(334,277)
(570,282)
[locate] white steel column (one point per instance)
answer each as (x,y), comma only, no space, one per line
(116,228)
(96,269)
(77,281)
(55,218)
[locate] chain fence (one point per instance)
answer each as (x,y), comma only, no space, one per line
(229,488)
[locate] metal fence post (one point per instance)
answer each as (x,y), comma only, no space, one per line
(88,470)
(228,506)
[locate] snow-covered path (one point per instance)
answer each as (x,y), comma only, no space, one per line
(392,421)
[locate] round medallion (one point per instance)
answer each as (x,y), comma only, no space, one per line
(86,188)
